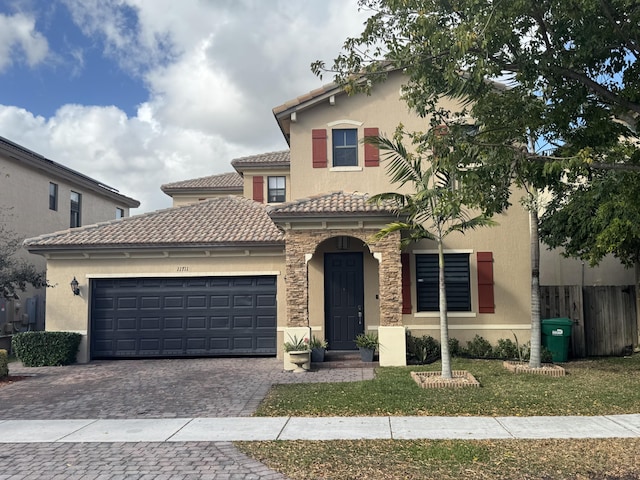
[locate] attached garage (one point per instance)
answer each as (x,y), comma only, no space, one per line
(183,317)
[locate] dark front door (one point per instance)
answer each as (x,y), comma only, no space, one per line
(343,299)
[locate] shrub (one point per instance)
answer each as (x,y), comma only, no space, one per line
(39,349)
(4,363)
(506,350)
(422,350)
(545,354)
(455,349)
(479,348)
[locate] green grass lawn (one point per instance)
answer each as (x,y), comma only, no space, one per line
(591,387)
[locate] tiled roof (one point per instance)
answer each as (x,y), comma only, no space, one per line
(318,92)
(332,204)
(271,159)
(220,221)
(225,182)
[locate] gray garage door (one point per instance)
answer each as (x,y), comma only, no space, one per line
(183,317)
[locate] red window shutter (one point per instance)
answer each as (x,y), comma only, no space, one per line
(485,283)
(371,152)
(319,141)
(258,189)
(405,260)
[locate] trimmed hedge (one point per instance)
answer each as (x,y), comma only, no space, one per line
(4,363)
(41,349)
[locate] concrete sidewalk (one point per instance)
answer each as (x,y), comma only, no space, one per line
(226,429)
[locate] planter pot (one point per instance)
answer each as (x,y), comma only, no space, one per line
(366,354)
(299,358)
(317,355)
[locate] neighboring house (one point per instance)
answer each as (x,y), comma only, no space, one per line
(37,196)
(227,275)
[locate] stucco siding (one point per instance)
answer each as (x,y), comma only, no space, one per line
(383,110)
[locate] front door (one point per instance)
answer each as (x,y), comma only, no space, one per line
(343,299)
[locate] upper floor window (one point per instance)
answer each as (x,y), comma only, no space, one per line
(119,213)
(53,196)
(456,278)
(76,205)
(276,189)
(345,147)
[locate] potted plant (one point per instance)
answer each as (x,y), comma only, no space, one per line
(298,351)
(367,343)
(318,349)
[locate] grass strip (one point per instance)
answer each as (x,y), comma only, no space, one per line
(601,459)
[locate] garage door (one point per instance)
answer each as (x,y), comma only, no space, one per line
(182,317)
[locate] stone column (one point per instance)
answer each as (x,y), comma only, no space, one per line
(296,279)
(387,251)
(391,333)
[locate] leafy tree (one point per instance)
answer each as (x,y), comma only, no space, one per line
(590,219)
(433,210)
(15,272)
(570,90)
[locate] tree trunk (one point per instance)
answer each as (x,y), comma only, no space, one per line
(444,323)
(637,282)
(535,360)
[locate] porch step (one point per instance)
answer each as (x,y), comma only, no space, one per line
(344,359)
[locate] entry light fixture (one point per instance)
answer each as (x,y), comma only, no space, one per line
(75,288)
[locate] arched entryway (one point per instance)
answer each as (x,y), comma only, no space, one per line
(344,290)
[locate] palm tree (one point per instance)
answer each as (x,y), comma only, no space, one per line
(433,210)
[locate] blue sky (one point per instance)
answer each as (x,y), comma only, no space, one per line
(137,93)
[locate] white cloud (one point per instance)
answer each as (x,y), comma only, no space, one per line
(214,71)
(19,31)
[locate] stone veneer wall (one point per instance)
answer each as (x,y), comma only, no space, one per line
(301,242)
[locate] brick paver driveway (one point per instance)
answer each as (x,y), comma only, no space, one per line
(209,387)
(158,388)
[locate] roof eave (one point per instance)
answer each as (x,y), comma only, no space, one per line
(43,249)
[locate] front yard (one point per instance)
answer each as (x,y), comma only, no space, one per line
(591,387)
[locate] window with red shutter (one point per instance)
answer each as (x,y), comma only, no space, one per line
(486,303)
(371,152)
(258,189)
(319,148)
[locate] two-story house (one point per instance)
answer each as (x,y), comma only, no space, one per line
(38,195)
(282,246)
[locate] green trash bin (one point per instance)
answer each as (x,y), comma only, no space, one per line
(556,333)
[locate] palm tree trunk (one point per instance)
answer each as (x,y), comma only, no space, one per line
(535,360)
(637,282)
(444,323)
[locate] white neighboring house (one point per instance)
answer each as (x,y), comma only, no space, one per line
(37,196)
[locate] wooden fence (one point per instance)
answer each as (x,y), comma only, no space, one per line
(604,318)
